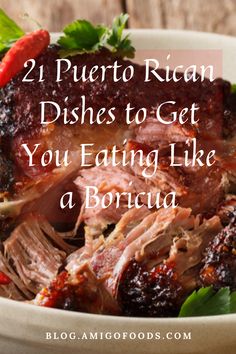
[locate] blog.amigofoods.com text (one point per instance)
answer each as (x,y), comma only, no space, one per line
(118,336)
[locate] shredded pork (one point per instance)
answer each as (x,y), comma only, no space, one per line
(36,252)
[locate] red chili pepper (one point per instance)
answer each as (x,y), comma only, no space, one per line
(27,47)
(4,279)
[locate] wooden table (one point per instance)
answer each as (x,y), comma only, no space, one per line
(203,15)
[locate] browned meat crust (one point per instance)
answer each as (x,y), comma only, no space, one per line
(6,172)
(85,293)
(150,293)
(220,260)
(229,114)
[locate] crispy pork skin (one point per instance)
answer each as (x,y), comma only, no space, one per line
(220,259)
(150,293)
(6,172)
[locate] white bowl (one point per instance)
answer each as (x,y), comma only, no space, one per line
(23,327)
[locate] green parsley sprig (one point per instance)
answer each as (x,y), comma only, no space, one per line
(208,302)
(233,88)
(10,32)
(81,36)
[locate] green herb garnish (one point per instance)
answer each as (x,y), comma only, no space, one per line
(10,32)
(233,88)
(119,45)
(83,37)
(207,302)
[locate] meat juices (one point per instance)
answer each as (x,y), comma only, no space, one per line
(138,268)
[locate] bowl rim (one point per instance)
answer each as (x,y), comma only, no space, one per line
(169,31)
(40,310)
